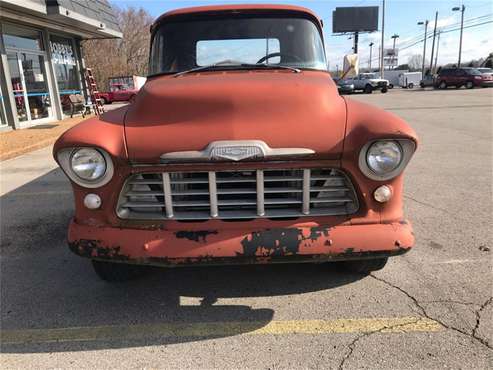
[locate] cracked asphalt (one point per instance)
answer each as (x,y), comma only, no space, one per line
(431,308)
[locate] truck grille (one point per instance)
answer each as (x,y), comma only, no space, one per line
(237,194)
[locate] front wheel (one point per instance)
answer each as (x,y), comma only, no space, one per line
(391,86)
(118,272)
(442,85)
(469,85)
(364,266)
(384,90)
(422,85)
(410,86)
(368,89)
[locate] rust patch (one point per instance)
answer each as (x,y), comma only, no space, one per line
(279,242)
(94,249)
(197,236)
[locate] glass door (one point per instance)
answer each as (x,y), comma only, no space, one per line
(29,85)
(17,81)
(35,85)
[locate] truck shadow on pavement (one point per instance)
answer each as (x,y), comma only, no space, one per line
(52,301)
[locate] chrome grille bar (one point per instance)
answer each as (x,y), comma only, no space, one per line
(237,194)
(213,194)
(306,191)
(168,202)
(260,193)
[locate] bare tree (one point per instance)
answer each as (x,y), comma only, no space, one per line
(415,62)
(121,57)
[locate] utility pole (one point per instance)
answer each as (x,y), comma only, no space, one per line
(383,35)
(395,37)
(355,47)
(371,47)
(436,55)
(424,48)
(461,9)
(433,45)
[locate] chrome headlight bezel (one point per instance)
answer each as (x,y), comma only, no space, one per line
(407,150)
(65,160)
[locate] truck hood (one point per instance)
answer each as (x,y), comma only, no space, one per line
(281,108)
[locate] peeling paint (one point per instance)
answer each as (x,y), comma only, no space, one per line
(197,236)
(95,249)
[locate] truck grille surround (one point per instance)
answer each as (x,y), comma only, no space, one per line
(237,195)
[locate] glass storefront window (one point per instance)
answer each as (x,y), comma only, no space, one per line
(66,72)
(21,38)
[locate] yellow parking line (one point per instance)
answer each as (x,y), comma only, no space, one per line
(218,329)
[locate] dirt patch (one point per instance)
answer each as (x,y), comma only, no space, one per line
(17,142)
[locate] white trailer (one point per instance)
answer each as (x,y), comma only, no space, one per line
(393,76)
(409,79)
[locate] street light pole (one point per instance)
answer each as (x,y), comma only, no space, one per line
(424,48)
(433,45)
(461,9)
(438,47)
(371,47)
(383,35)
(395,37)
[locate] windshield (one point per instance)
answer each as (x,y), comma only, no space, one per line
(182,45)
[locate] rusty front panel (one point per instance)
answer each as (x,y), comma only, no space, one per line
(310,241)
(287,110)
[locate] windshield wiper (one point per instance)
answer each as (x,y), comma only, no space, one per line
(234,63)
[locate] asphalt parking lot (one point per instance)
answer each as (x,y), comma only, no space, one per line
(431,308)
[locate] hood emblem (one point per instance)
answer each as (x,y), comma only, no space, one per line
(234,150)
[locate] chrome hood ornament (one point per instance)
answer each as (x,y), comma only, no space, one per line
(234,150)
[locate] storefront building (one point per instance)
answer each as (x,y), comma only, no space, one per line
(41,63)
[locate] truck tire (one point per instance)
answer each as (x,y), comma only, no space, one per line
(469,85)
(103,101)
(410,86)
(442,85)
(364,266)
(384,90)
(368,89)
(391,86)
(422,85)
(118,272)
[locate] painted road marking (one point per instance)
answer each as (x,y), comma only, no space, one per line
(218,329)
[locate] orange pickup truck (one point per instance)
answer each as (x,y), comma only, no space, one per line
(238,149)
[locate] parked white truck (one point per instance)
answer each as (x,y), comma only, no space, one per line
(368,82)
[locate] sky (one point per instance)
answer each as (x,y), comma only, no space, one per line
(401,17)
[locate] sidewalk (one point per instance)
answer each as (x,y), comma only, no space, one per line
(17,142)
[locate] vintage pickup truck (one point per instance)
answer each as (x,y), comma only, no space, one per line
(238,149)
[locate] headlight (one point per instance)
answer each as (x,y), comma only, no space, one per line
(88,164)
(384,156)
(87,167)
(385,159)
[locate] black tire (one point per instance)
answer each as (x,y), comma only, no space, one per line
(442,85)
(422,85)
(469,85)
(391,86)
(384,90)
(132,99)
(103,101)
(364,266)
(368,89)
(118,272)
(410,86)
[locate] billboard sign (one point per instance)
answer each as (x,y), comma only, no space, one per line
(390,53)
(355,19)
(390,57)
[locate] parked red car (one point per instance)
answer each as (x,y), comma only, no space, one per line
(238,149)
(458,77)
(118,92)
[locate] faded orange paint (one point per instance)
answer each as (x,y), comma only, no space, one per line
(283,109)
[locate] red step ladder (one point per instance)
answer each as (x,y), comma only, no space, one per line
(97,104)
